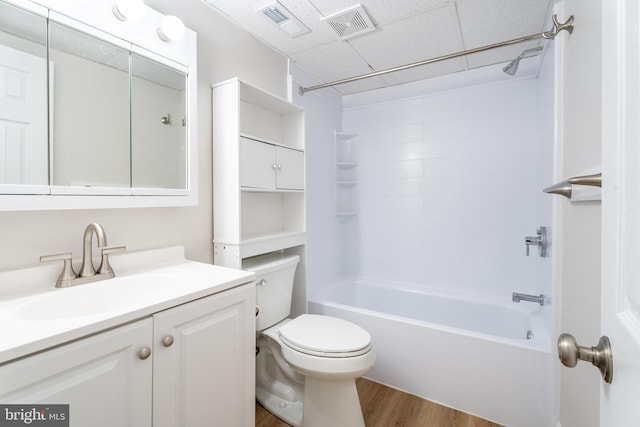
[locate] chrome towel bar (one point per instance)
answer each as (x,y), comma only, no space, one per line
(565,188)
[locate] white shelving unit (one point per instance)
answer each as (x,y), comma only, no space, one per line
(346,146)
(258,173)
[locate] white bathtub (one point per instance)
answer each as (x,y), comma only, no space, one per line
(465,353)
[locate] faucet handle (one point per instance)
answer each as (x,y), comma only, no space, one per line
(105,267)
(67,274)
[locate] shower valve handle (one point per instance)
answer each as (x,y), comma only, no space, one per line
(540,241)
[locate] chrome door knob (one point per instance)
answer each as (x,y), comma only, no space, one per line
(167,341)
(600,356)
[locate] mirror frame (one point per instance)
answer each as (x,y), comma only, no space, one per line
(96,18)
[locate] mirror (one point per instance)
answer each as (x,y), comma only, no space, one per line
(23,99)
(158,117)
(86,112)
(90,110)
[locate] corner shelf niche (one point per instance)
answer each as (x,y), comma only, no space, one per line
(346,146)
(258,167)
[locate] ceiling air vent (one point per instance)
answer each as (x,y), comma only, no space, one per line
(284,19)
(351,22)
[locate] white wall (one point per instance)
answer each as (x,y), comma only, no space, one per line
(447,187)
(224,51)
(323,117)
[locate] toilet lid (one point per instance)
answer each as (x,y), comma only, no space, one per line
(325,336)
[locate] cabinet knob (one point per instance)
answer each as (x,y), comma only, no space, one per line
(144,353)
(167,341)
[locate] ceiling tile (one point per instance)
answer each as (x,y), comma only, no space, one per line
(331,61)
(380,11)
(423,36)
(407,31)
(491,21)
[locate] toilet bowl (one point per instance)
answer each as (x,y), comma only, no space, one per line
(305,367)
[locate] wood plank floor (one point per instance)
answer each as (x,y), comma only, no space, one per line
(386,407)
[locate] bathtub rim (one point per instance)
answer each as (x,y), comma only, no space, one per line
(540,341)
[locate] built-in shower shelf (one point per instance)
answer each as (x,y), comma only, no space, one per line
(346,145)
(345,216)
(346,165)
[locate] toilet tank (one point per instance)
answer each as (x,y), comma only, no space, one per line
(274,286)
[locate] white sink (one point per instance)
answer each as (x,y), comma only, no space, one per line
(62,306)
(97,298)
(37,315)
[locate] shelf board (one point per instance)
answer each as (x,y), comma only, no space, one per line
(269,190)
(269,242)
(346,165)
(269,141)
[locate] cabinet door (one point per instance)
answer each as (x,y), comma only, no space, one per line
(101,377)
(290,167)
(257,164)
(204,375)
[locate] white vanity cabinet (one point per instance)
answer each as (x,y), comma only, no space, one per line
(191,365)
(102,378)
(204,362)
(269,166)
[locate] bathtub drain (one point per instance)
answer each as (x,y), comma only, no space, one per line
(529,334)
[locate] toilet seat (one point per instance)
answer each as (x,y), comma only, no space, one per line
(325,336)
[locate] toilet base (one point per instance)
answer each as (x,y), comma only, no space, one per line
(289,412)
(331,403)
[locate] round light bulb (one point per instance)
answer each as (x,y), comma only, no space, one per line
(171,28)
(129,10)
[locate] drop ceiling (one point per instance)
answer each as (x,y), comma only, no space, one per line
(406,31)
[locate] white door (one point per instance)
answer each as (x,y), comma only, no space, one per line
(23,118)
(257,164)
(621,210)
(290,167)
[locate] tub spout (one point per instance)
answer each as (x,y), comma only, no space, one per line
(516,297)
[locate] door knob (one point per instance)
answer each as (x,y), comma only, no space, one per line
(600,356)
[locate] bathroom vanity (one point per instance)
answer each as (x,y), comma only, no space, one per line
(168,342)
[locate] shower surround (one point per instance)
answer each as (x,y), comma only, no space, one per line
(447,188)
(448,184)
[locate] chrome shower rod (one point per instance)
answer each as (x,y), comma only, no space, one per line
(551,34)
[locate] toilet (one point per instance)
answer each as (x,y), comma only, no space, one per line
(306,367)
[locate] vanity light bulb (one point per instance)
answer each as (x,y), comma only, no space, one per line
(171,29)
(129,10)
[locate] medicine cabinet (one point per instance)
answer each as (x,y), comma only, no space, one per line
(95,112)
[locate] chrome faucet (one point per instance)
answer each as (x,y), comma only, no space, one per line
(87,268)
(540,241)
(87,272)
(516,297)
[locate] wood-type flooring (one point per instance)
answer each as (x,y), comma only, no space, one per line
(386,407)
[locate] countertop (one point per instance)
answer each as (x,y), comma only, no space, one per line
(35,315)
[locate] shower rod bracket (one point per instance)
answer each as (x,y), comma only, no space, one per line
(557,27)
(548,35)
